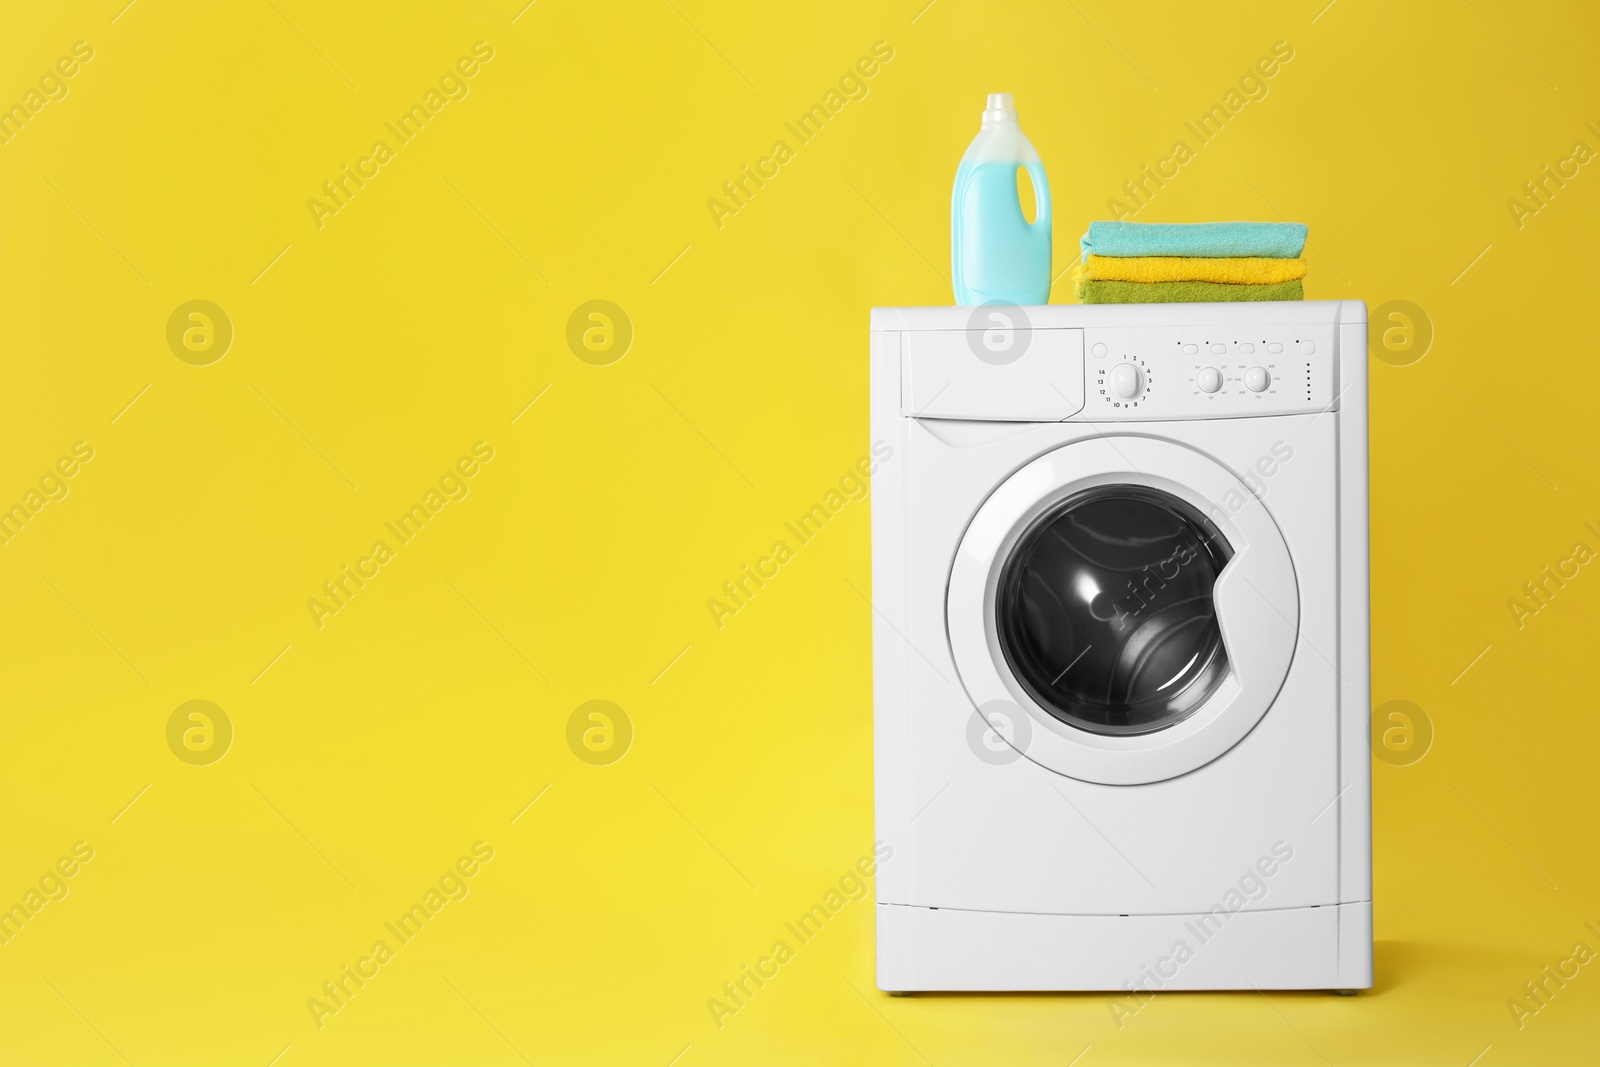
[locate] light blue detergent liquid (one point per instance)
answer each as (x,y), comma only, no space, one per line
(997,255)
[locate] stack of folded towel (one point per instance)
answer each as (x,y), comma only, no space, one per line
(1170,263)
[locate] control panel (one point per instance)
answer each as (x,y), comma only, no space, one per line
(1188,372)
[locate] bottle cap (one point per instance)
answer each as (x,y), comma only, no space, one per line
(1000,109)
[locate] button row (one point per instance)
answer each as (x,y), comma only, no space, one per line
(1305,348)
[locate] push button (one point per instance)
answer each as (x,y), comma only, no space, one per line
(1190,350)
(1247,348)
(1274,347)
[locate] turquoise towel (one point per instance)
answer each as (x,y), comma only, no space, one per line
(1275,240)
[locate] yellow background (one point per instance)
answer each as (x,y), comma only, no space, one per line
(425,316)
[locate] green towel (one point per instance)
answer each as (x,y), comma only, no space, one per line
(1184,292)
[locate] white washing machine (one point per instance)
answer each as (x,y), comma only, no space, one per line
(1120,647)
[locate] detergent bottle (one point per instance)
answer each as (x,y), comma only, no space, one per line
(996,254)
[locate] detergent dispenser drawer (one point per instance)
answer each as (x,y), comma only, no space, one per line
(1002,372)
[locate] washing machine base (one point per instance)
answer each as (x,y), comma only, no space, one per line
(951,949)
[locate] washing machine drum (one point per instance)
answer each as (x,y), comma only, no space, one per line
(1131,597)
(1104,610)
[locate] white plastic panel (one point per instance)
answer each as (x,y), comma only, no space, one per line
(933,949)
(1296,363)
(998,374)
(1020,837)
(1355,656)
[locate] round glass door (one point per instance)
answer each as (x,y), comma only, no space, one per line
(1104,610)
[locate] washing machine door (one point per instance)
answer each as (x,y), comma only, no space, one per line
(1133,600)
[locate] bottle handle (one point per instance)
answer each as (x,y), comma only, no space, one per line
(1041,194)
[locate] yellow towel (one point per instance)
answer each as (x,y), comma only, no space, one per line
(1241,271)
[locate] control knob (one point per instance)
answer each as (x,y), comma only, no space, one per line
(1126,380)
